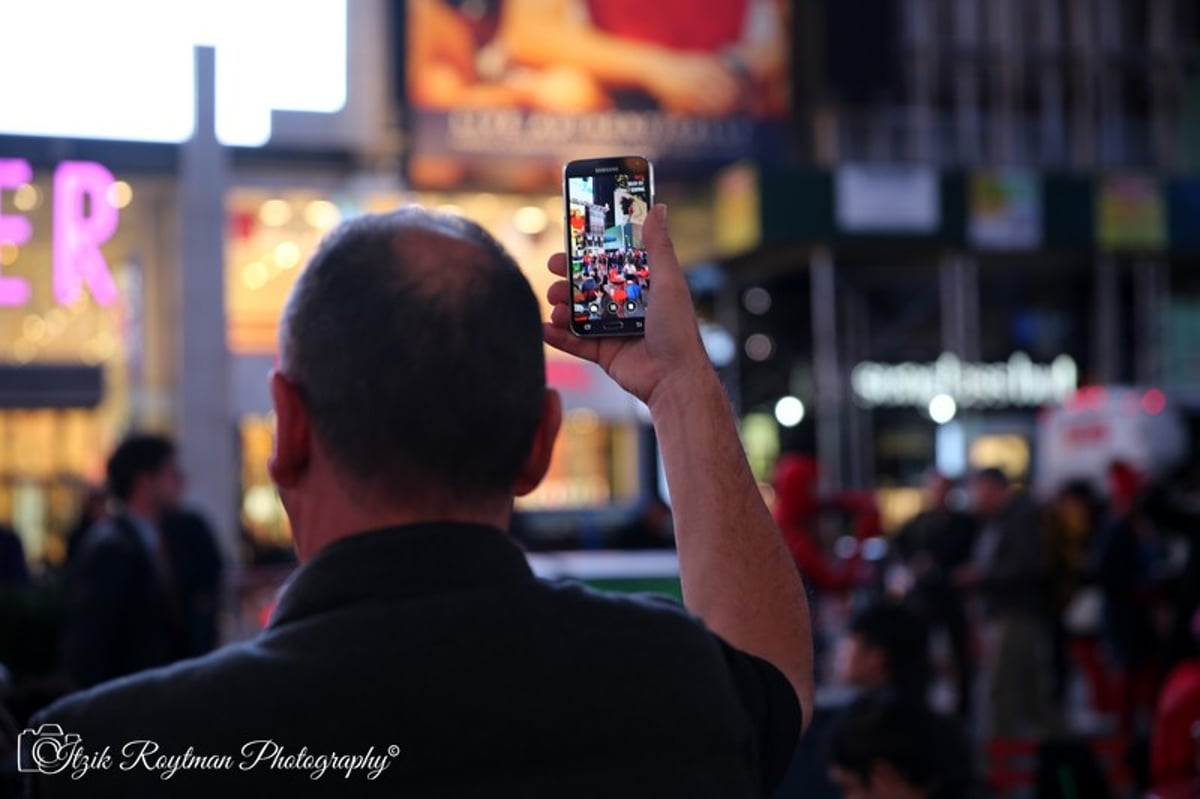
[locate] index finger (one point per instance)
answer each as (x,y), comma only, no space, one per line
(558,264)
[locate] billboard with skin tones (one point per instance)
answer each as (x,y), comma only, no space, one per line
(512,85)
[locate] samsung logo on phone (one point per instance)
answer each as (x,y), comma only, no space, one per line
(600,169)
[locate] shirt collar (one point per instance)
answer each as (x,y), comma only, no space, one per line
(146,530)
(410,560)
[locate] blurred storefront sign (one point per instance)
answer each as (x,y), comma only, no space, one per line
(124,69)
(1017,382)
(532,82)
(1098,425)
(1130,213)
(1005,210)
(891,198)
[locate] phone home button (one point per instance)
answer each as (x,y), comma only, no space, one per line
(613,325)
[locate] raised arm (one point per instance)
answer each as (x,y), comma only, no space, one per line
(736,572)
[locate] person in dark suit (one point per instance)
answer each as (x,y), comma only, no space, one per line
(123,612)
(933,545)
(1008,576)
(197,566)
(414,653)
(14,571)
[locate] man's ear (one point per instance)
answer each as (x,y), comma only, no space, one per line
(293,433)
(538,462)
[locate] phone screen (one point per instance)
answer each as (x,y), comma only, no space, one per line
(607,203)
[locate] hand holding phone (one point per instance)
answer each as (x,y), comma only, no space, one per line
(669,354)
(607,201)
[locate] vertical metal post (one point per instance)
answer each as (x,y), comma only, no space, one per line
(949,306)
(1106,321)
(1150,297)
(860,440)
(204,412)
(958,281)
(971,306)
(826,367)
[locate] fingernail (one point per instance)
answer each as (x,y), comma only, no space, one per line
(664,212)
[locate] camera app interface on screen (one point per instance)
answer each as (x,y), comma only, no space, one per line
(610,274)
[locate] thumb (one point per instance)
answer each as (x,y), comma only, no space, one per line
(659,249)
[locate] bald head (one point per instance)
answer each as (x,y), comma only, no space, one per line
(416,343)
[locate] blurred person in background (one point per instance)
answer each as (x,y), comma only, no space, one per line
(932,545)
(92,509)
(890,747)
(197,567)
(1076,602)
(123,607)
(1175,739)
(1007,575)
(798,509)
(649,529)
(14,570)
(1173,506)
(887,649)
(1126,570)
(416,623)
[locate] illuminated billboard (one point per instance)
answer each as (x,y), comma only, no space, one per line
(539,81)
(125,69)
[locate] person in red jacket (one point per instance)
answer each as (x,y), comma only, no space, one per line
(797,510)
(1175,742)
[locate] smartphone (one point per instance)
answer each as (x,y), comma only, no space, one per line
(607,200)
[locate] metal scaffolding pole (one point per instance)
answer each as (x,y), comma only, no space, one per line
(826,368)
(204,413)
(1106,321)
(1150,297)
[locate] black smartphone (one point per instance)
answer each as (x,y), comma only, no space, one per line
(607,200)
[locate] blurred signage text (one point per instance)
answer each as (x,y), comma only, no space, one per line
(1017,382)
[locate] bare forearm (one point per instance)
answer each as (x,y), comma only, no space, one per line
(735,570)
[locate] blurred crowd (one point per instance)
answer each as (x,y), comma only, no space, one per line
(995,641)
(1058,634)
(139,588)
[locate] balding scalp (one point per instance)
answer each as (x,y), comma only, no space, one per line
(416,342)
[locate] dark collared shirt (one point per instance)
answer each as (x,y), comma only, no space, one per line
(436,646)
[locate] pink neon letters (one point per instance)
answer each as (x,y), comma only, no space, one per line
(77,237)
(14,230)
(79,230)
